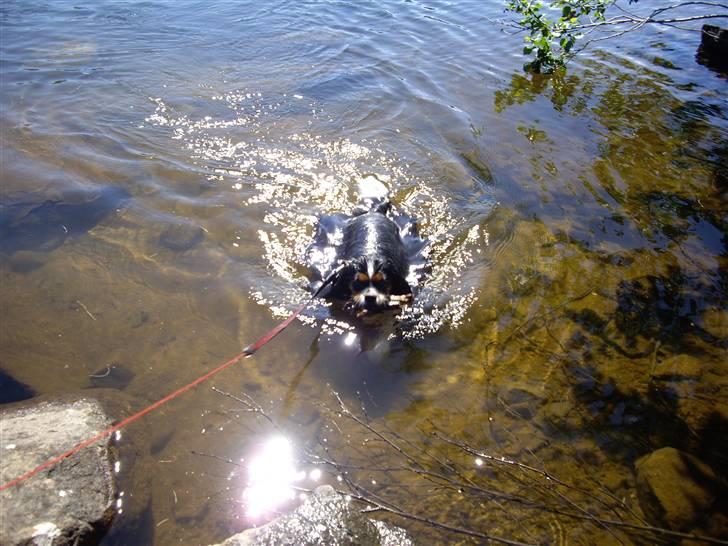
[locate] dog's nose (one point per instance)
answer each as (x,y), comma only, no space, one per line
(370,300)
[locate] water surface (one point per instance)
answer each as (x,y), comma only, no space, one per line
(163,167)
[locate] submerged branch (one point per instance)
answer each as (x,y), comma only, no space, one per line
(507,483)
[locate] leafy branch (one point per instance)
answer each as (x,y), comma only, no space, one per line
(554,30)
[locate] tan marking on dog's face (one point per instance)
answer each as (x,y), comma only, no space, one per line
(369,287)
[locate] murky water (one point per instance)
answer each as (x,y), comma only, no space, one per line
(163,167)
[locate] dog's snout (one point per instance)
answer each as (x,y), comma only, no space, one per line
(370,299)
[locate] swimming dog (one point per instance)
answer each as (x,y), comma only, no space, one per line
(370,260)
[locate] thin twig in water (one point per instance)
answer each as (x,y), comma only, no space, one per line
(249,403)
(101,375)
(385,506)
(86,309)
(217,457)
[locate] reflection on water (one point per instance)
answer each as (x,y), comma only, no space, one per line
(188,150)
(271,476)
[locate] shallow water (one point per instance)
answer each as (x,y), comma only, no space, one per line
(163,167)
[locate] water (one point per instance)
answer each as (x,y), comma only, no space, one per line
(163,167)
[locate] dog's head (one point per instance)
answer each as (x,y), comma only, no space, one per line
(374,285)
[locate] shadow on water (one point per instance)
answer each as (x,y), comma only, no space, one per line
(370,364)
(12,390)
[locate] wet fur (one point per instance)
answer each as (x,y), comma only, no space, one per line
(372,243)
(367,243)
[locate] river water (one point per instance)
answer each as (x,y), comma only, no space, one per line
(163,166)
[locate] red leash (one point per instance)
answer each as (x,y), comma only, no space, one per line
(248,351)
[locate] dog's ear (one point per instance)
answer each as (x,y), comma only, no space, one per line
(398,285)
(341,285)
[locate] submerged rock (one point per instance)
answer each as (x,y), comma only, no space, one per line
(680,367)
(181,237)
(112,376)
(25,261)
(326,519)
(42,223)
(715,322)
(69,503)
(675,490)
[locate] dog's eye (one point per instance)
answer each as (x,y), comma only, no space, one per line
(378,276)
(362,277)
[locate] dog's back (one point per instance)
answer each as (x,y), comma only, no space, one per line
(366,258)
(374,236)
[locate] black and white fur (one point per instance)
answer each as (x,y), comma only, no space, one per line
(369,260)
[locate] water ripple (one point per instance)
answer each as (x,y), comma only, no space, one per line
(291,177)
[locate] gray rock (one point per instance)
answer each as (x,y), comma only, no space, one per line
(69,503)
(326,519)
(675,490)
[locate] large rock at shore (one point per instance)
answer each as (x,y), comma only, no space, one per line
(69,503)
(713,50)
(326,518)
(675,489)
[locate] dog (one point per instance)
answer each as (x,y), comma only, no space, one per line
(371,260)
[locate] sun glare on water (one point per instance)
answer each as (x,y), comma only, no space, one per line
(271,474)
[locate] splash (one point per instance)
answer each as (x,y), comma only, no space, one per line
(255,145)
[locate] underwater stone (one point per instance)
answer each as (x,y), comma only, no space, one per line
(25,261)
(562,414)
(324,518)
(69,503)
(42,223)
(181,237)
(675,489)
(678,368)
(715,322)
(112,376)
(520,402)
